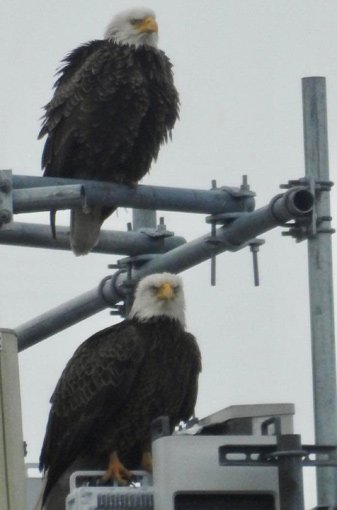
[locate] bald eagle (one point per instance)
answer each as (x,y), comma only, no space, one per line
(117,382)
(114,105)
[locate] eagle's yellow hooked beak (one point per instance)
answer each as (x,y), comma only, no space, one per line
(165,291)
(148,25)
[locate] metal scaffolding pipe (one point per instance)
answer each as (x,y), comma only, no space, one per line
(48,197)
(295,203)
(321,282)
(110,241)
(150,197)
(69,313)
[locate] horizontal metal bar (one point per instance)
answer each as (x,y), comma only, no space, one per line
(110,241)
(48,197)
(151,197)
(294,203)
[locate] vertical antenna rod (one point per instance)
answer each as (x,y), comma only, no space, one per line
(320,282)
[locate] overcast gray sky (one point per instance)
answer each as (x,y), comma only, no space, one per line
(238,66)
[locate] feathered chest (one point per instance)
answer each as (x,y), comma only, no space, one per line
(171,356)
(165,342)
(142,68)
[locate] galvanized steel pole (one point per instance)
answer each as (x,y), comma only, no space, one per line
(110,241)
(320,283)
(46,198)
(212,201)
(295,203)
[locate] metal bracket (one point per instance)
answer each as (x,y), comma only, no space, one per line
(222,219)
(156,233)
(126,265)
(309,225)
(159,232)
(6,197)
(243,191)
(313,184)
(112,279)
(225,219)
(266,455)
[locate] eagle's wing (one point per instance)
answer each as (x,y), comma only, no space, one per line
(68,76)
(191,389)
(96,381)
(99,91)
(73,83)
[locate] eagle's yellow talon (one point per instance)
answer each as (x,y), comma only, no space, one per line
(117,471)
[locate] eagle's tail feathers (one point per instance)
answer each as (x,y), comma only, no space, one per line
(85,226)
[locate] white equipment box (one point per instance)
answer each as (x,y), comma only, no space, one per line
(190,468)
(84,495)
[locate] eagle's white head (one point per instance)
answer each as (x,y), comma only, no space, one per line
(159,295)
(135,27)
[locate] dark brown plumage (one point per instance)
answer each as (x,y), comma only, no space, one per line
(114,105)
(120,380)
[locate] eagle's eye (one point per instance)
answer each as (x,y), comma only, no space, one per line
(135,21)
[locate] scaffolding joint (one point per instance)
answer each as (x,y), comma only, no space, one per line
(315,185)
(160,232)
(223,219)
(156,233)
(126,289)
(310,224)
(116,308)
(243,191)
